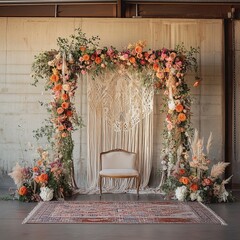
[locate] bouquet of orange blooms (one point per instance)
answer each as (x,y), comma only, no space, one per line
(46,180)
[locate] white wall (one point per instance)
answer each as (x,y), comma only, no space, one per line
(20,112)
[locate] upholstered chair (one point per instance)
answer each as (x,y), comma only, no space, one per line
(118,163)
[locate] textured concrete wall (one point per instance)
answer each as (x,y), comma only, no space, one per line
(20,112)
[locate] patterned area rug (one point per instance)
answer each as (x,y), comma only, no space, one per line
(122,212)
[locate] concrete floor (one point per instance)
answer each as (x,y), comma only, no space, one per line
(12,214)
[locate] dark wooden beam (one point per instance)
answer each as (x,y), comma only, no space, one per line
(229,96)
(181,10)
(104,9)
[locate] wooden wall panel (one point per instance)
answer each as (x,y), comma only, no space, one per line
(236,157)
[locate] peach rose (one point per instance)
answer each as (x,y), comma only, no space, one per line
(182,117)
(184,180)
(60,110)
(61,127)
(65,97)
(43,178)
(64,134)
(132,60)
(173,55)
(86,57)
(179,108)
(138,49)
(54,78)
(57,88)
(98,60)
(65,105)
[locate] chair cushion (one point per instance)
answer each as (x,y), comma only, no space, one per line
(119,172)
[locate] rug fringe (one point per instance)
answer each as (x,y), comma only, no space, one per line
(215,215)
(32,212)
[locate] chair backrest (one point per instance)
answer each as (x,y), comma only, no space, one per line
(118,159)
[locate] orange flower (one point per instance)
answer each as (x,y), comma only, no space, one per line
(182,117)
(86,57)
(61,127)
(54,78)
(65,97)
(155,67)
(64,134)
(98,60)
(194,187)
(82,48)
(182,171)
(179,108)
(138,49)
(60,110)
(22,191)
(43,178)
(65,105)
(69,113)
(132,60)
(57,87)
(35,169)
(184,180)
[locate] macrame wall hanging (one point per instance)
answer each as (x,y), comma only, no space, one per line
(119,116)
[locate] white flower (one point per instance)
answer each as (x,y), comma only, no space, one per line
(164,167)
(171,105)
(193,196)
(46,194)
(181,193)
(199,198)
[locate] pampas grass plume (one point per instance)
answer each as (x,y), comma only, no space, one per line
(218,169)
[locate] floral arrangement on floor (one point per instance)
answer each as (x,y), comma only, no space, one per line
(197,180)
(45,180)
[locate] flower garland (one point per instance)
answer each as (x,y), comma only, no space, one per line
(164,69)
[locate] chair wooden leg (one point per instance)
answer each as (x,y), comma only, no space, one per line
(138,185)
(100,185)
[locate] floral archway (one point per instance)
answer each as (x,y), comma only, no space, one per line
(163,69)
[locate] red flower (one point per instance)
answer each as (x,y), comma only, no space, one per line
(22,191)
(194,187)
(182,171)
